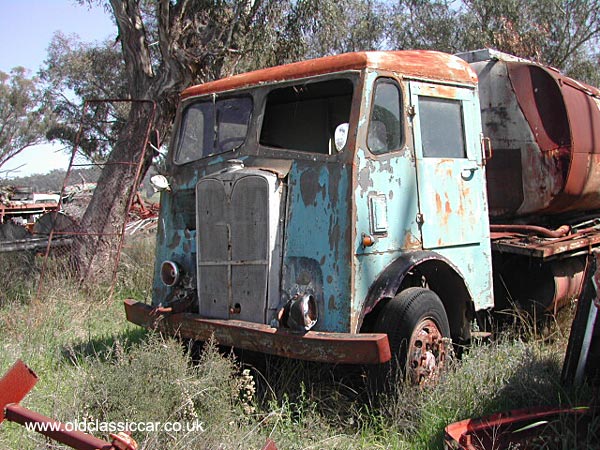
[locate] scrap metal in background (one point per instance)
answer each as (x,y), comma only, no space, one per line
(143,216)
(77,192)
(24,215)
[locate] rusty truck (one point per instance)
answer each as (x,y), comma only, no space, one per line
(371,207)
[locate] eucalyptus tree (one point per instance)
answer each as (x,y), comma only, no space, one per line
(24,113)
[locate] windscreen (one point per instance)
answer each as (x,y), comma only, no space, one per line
(212,126)
(304,116)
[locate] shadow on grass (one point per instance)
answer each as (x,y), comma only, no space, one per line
(103,348)
(278,378)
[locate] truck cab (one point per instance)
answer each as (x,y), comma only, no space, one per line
(329,210)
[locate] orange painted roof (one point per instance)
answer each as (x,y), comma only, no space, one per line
(411,63)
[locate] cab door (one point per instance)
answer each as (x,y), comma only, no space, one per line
(450,178)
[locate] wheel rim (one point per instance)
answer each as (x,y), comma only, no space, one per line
(426,353)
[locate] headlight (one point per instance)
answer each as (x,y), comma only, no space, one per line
(300,313)
(170,273)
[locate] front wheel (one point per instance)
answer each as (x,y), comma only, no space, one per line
(418,331)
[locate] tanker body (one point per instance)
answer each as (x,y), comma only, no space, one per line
(543,181)
(336,209)
(545,131)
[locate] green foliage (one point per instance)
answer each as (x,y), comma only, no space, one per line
(77,71)
(504,376)
(563,34)
(424,24)
(24,115)
(19,277)
(322,28)
(134,279)
(153,381)
(559,33)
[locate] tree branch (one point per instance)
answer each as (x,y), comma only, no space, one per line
(138,63)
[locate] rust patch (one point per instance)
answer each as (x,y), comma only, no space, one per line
(444,91)
(334,182)
(411,242)
(462,199)
(364,178)
(175,241)
(447,206)
(309,186)
(329,279)
(438,202)
(330,347)
(412,63)
(331,304)
(386,164)
(520,244)
(334,237)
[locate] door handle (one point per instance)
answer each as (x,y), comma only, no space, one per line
(468,172)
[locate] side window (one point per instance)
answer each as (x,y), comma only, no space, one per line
(385,126)
(442,128)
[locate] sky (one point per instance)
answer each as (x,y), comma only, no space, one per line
(26,28)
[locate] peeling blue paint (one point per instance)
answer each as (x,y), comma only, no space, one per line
(332,201)
(317,229)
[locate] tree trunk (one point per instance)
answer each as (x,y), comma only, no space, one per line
(96,251)
(194,41)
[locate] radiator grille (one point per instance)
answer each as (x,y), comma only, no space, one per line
(233,245)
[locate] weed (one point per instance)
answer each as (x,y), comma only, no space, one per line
(136,268)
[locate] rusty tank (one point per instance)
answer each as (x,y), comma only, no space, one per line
(545,134)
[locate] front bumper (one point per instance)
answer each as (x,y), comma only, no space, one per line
(346,348)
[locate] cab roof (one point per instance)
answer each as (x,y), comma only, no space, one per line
(426,64)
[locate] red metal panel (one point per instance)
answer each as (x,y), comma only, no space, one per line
(311,346)
(15,385)
(505,430)
(270,445)
(583,179)
(547,118)
(412,63)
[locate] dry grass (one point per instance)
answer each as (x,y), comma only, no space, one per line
(93,364)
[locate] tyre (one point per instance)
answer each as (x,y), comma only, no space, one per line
(418,331)
(10,231)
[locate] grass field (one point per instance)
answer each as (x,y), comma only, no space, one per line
(93,365)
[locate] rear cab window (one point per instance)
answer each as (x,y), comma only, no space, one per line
(442,128)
